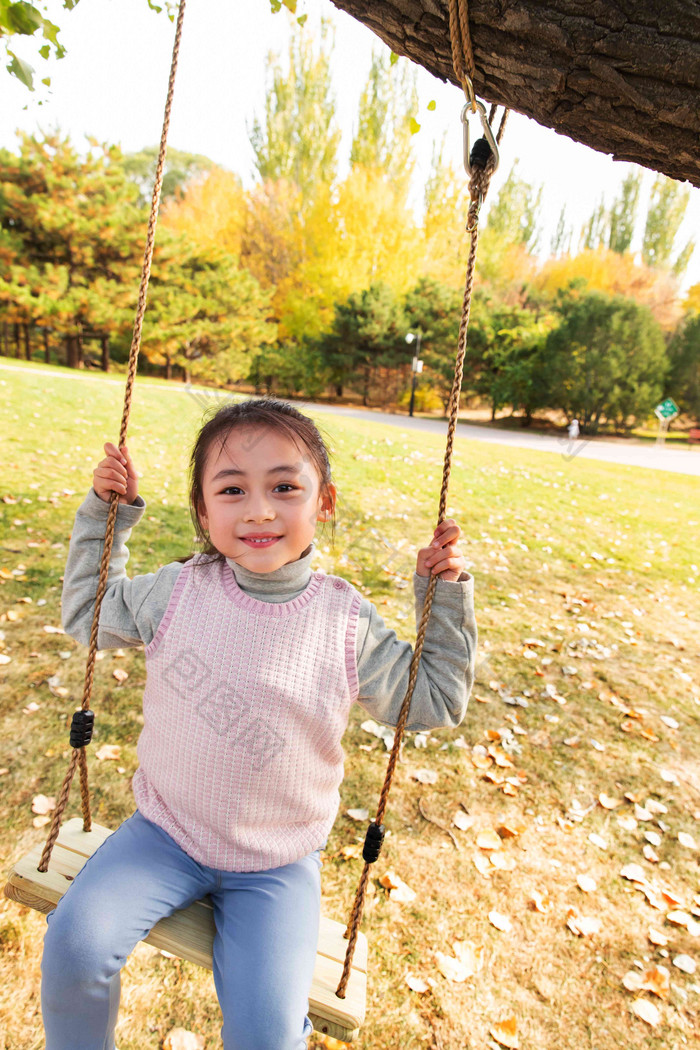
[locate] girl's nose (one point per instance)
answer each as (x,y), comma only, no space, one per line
(258,508)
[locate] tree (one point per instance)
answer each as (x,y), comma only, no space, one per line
(435,310)
(683,383)
(593,234)
(560,243)
(179,169)
(515,213)
(667,206)
(368,332)
(383,140)
(298,139)
(607,359)
(623,213)
(205,314)
(72,234)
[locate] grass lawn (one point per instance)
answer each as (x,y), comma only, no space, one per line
(580,747)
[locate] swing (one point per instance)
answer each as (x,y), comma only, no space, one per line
(337,999)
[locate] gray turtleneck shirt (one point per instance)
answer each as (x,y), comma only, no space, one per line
(133,608)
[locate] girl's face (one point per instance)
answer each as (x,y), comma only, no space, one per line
(262,499)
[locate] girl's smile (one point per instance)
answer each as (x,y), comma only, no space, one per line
(262,499)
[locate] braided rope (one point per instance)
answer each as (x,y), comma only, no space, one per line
(478,187)
(79,755)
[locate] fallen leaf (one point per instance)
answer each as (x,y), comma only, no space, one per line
(586,883)
(40,822)
(627,822)
(607,802)
(452,969)
(471,955)
(582,925)
(506,1033)
(510,831)
(502,861)
(633,872)
(633,981)
(686,840)
(120,674)
(657,980)
(650,854)
(539,901)
(43,804)
(398,890)
(181,1039)
(462,820)
(500,921)
(653,837)
(646,1011)
(488,839)
(482,865)
(685,963)
(657,937)
(358,814)
(416,984)
(597,840)
(108,751)
(424,776)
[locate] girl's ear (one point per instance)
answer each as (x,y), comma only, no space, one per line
(202,516)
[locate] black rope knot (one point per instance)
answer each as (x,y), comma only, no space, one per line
(373,842)
(480,154)
(81,728)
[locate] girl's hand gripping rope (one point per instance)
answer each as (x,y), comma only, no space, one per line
(443,557)
(116,473)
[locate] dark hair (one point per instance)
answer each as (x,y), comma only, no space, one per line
(254,413)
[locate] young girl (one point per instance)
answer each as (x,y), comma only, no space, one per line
(253,660)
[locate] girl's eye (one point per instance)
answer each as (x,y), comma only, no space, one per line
(231,489)
(284,486)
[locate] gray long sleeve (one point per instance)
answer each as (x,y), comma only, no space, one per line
(133,608)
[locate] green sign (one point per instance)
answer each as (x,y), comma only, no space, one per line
(668,409)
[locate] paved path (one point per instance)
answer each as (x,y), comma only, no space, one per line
(628,452)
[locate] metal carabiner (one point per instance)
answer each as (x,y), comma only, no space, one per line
(488,134)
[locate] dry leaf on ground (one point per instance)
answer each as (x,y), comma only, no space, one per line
(120,674)
(462,820)
(539,901)
(607,802)
(686,840)
(181,1039)
(500,921)
(488,839)
(398,890)
(646,1011)
(358,814)
(657,937)
(43,804)
(416,984)
(586,883)
(424,776)
(685,963)
(506,1033)
(108,751)
(582,925)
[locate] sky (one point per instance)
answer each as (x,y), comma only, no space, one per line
(112,85)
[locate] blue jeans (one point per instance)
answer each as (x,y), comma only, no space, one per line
(264,949)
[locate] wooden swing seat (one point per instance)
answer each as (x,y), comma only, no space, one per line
(189,932)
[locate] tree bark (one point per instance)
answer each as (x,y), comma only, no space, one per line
(27,343)
(104,342)
(47,347)
(621,76)
(72,354)
(168,367)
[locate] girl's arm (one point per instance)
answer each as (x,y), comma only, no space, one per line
(132,608)
(446,670)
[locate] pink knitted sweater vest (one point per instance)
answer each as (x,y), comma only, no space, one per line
(245,705)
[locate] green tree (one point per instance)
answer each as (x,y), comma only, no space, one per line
(667,206)
(606,359)
(434,310)
(368,332)
(205,314)
(297,140)
(622,217)
(683,383)
(560,243)
(180,168)
(71,235)
(514,216)
(594,232)
(386,121)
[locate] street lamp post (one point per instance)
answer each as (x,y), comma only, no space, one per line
(416,367)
